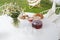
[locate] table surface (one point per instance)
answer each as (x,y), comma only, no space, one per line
(49,31)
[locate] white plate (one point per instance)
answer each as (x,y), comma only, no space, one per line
(49,31)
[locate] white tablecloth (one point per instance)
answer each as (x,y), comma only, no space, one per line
(49,31)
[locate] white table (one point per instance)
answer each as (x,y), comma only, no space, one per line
(49,31)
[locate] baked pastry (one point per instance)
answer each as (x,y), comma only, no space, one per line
(24,16)
(39,15)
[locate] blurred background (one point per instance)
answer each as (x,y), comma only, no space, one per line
(44,5)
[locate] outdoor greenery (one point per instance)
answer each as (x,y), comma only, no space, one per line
(44,5)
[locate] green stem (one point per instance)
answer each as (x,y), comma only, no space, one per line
(16,22)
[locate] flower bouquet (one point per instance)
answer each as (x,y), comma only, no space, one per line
(13,11)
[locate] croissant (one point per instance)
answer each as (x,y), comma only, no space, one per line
(39,15)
